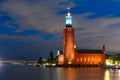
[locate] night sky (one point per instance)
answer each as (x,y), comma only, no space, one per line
(32,28)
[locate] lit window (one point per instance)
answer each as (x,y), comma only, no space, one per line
(84,59)
(92,59)
(81,59)
(88,59)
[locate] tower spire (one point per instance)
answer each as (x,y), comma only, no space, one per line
(68,9)
(68,18)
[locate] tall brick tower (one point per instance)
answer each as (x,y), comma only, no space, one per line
(69,51)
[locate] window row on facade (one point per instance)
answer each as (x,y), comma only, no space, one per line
(88,60)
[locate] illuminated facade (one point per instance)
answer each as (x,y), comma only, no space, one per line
(69,51)
(90,57)
(72,56)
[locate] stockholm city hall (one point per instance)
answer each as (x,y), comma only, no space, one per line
(78,57)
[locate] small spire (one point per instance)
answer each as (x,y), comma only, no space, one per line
(103,45)
(104,50)
(68,9)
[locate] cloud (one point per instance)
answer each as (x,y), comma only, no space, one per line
(19,38)
(41,15)
(45,16)
(97,31)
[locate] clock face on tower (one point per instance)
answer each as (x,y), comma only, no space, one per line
(68,21)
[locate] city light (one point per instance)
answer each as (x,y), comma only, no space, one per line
(58,52)
(108,62)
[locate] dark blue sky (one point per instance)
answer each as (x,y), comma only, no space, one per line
(32,28)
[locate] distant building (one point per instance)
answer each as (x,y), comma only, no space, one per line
(73,56)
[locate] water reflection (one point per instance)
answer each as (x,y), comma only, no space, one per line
(114,74)
(107,75)
(16,72)
(80,74)
(67,74)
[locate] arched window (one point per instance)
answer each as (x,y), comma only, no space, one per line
(81,59)
(88,59)
(85,59)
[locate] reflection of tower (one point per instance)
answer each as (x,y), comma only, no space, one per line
(69,51)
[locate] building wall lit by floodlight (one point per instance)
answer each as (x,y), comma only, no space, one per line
(74,56)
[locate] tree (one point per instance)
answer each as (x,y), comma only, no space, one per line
(40,60)
(51,57)
(114,58)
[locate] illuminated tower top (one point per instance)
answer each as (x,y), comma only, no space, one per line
(68,19)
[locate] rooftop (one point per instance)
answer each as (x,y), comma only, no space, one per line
(91,51)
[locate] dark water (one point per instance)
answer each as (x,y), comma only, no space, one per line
(17,72)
